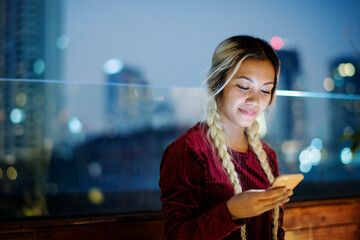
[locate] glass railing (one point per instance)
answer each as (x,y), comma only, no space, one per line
(75,148)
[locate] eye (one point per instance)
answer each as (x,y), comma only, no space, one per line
(242,88)
(266,92)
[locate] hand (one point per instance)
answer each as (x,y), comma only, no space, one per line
(255,202)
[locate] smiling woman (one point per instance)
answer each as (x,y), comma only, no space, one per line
(215,178)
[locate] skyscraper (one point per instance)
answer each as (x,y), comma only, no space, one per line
(128,105)
(344,114)
(29,30)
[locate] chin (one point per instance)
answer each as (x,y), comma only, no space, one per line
(246,124)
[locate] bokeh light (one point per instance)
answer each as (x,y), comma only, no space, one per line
(10,159)
(17,115)
(349,69)
(329,84)
(113,66)
(277,43)
(62,42)
(289,147)
(305,167)
(39,67)
(96,196)
(317,142)
(346,155)
(346,69)
(311,156)
(20,99)
(11,173)
(1,174)
(74,125)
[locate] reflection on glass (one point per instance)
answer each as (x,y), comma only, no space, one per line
(90,155)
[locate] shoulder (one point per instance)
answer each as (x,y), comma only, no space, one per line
(194,140)
(183,159)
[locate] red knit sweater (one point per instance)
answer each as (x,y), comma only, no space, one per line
(195,188)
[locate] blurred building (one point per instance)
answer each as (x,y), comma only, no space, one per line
(344,78)
(128,106)
(131,105)
(29,53)
(291,109)
(288,133)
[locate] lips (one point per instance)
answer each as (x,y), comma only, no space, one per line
(248,113)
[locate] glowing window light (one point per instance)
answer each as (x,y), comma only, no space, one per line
(74,125)
(17,115)
(329,84)
(62,42)
(113,66)
(21,99)
(11,173)
(39,67)
(277,43)
(96,196)
(346,156)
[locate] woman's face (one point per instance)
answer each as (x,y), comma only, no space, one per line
(247,94)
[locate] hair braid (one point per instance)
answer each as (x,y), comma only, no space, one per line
(254,141)
(217,134)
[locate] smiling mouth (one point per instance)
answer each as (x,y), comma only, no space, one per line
(248,113)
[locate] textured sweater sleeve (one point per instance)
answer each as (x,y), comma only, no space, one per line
(181,176)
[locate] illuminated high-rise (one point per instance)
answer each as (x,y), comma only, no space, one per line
(344,114)
(29,30)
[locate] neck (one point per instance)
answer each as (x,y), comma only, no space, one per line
(236,139)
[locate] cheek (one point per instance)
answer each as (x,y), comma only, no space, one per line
(265,101)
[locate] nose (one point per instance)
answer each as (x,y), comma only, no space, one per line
(253,99)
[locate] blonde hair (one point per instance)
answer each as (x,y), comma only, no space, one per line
(226,61)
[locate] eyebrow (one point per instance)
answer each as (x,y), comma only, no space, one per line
(250,80)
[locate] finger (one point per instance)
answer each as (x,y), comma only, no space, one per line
(276,204)
(272,193)
(277,198)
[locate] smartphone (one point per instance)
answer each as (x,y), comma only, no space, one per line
(290,181)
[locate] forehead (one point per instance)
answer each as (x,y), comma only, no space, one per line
(257,70)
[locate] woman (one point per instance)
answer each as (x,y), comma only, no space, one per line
(215,178)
